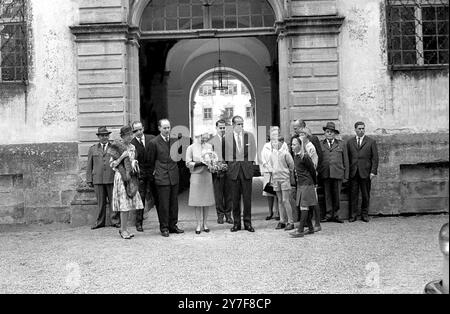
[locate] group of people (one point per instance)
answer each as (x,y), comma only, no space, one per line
(291,172)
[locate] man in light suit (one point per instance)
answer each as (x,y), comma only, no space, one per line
(222,195)
(146,181)
(100,176)
(363,156)
(166,178)
(240,153)
(334,169)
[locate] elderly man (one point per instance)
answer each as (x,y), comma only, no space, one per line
(146,182)
(100,176)
(166,179)
(363,156)
(333,170)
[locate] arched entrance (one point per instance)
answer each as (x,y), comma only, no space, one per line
(208,105)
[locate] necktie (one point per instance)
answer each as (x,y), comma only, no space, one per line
(142,142)
(104,147)
(329,143)
(239,142)
(359,142)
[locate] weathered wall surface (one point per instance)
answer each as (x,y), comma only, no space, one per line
(389,103)
(48,111)
(37,182)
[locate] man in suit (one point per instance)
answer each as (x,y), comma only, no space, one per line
(146,182)
(222,195)
(240,152)
(334,169)
(100,176)
(166,178)
(363,156)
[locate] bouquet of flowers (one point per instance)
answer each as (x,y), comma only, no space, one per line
(211,160)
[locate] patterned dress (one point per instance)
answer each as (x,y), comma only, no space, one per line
(121,201)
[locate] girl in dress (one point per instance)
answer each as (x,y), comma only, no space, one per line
(306,181)
(121,201)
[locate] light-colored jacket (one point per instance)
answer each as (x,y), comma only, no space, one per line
(265,156)
(311,150)
(194,154)
(282,164)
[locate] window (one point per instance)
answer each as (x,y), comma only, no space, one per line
(417,32)
(171,15)
(249,112)
(231,90)
(206,90)
(13,47)
(244,90)
(207,113)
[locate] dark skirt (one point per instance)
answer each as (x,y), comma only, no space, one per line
(306,196)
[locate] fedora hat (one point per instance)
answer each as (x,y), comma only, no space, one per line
(103,130)
(125,130)
(331,126)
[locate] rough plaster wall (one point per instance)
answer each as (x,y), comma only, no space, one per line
(406,102)
(50,112)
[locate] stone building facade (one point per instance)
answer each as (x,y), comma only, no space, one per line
(90,63)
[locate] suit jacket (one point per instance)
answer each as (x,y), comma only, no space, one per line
(165,168)
(316,142)
(218,146)
(98,170)
(240,160)
(142,153)
(363,159)
(334,163)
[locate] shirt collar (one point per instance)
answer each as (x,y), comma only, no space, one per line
(362,137)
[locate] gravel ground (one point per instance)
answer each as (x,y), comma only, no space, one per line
(388,255)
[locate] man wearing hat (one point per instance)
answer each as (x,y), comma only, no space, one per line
(100,176)
(333,169)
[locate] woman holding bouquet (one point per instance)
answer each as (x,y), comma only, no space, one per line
(201,194)
(121,201)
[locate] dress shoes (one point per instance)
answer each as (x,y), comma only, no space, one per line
(250,229)
(116,225)
(280,225)
(277,218)
(229,221)
(352,219)
(365,219)
(235,228)
(139,229)
(220,220)
(296,234)
(176,230)
(97,227)
(289,227)
(326,219)
(165,233)
(310,231)
(317,228)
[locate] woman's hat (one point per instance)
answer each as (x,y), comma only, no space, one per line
(125,130)
(331,126)
(103,130)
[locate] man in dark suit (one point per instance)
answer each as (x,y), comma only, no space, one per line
(240,152)
(363,156)
(146,181)
(100,176)
(222,195)
(334,169)
(166,178)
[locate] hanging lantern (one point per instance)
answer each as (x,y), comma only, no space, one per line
(220,75)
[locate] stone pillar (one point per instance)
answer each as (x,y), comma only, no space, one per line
(310,45)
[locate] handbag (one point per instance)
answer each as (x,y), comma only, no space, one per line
(269,188)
